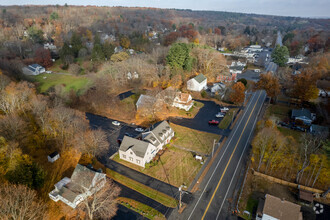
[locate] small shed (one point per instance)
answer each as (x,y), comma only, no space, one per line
(305,196)
(53,157)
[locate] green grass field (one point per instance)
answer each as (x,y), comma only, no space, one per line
(228,118)
(280,111)
(143,189)
(141,208)
(192,139)
(78,83)
(56,67)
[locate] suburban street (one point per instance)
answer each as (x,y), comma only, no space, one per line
(214,198)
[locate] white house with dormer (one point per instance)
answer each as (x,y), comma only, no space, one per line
(197,83)
(141,152)
(183,101)
(84,182)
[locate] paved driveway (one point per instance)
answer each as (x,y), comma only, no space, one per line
(113,132)
(200,121)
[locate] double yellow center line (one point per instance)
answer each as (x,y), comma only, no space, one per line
(231,156)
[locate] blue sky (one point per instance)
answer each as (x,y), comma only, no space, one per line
(302,8)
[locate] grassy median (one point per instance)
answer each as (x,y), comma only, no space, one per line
(143,189)
(225,122)
(142,209)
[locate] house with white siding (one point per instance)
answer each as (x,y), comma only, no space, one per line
(83,183)
(183,101)
(141,152)
(197,83)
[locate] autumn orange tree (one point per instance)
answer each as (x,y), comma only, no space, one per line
(237,95)
(125,42)
(42,57)
(304,87)
(270,84)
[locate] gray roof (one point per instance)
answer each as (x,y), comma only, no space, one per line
(301,112)
(236,68)
(68,194)
(137,146)
(200,78)
(145,101)
(319,129)
(83,176)
(159,130)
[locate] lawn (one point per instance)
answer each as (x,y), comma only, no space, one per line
(289,132)
(56,67)
(175,167)
(193,140)
(141,208)
(228,118)
(192,111)
(78,83)
(143,189)
(279,111)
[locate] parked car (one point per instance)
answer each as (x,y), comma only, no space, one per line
(220,115)
(119,141)
(116,123)
(139,129)
(224,109)
(213,122)
(129,135)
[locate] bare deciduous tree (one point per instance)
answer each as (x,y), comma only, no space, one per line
(310,145)
(102,204)
(19,202)
(93,142)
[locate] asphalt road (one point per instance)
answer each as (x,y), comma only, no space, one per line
(213,200)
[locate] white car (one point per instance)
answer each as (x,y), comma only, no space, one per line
(139,129)
(224,109)
(116,123)
(220,115)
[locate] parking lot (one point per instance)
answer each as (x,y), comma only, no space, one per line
(200,122)
(113,132)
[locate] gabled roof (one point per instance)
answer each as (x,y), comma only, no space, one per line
(319,129)
(301,113)
(137,146)
(83,176)
(183,97)
(145,101)
(236,68)
(200,78)
(160,129)
(281,209)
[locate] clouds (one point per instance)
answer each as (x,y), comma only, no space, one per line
(303,8)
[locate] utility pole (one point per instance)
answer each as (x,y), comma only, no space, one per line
(213,147)
(232,117)
(181,191)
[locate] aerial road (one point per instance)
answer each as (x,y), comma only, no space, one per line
(212,200)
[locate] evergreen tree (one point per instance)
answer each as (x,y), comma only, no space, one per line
(280,55)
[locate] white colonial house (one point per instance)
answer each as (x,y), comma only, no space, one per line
(84,182)
(183,101)
(33,69)
(140,152)
(197,83)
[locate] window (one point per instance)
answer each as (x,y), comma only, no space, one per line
(131,152)
(131,158)
(124,156)
(138,161)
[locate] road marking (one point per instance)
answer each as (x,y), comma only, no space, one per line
(238,164)
(222,156)
(231,156)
